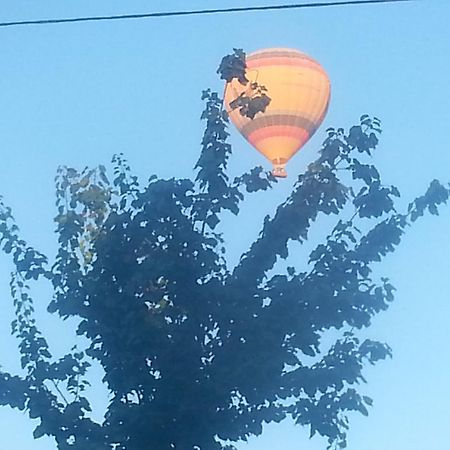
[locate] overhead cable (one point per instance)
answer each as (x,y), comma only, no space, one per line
(196,12)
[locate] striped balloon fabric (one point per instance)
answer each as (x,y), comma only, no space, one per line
(299,90)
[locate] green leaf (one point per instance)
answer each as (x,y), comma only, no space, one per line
(39,431)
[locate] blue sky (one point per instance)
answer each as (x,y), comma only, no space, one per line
(76,94)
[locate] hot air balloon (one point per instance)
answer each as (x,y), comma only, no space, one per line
(299,92)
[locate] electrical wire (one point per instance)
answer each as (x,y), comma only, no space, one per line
(197,12)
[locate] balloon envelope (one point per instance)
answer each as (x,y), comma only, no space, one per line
(299,90)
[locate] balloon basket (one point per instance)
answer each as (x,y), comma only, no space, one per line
(279,171)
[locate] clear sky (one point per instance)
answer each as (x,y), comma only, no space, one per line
(76,94)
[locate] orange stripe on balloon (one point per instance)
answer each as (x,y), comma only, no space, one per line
(293,54)
(278,131)
(272,119)
(253,64)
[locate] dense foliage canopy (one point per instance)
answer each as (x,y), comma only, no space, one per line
(197,354)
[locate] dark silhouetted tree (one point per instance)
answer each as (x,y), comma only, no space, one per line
(197,354)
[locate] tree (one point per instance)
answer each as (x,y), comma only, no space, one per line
(197,354)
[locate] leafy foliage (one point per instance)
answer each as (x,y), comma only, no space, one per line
(176,330)
(254,98)
(252,101)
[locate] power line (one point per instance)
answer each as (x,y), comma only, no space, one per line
(196,12)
